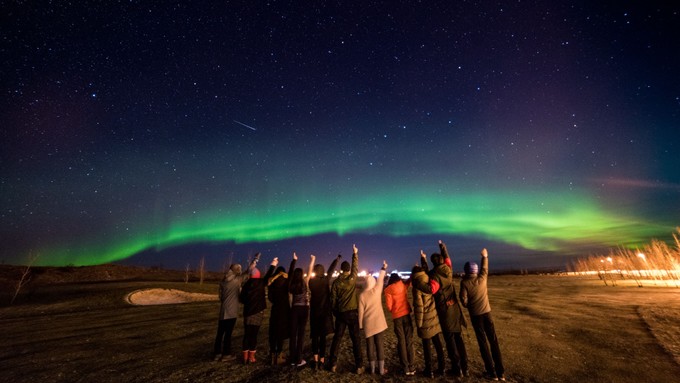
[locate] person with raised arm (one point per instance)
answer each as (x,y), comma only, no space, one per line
(254,303)
(320,313)
(450,315)
(372,320)
(298,288)
(426,318)
(229,290)
(474,296)
(396,300)
(344,305)
(279,316)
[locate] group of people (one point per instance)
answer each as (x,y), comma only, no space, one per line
(336,306)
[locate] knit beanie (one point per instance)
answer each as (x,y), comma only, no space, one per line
(471,268)
(255,273)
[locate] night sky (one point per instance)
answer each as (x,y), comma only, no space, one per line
(154,133)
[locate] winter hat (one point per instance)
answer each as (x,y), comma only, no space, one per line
(255,273)
(370,282)
(471,268)
(235,268)
(344,266)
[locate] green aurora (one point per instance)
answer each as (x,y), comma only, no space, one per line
(548,222)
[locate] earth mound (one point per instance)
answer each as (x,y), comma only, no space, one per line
(148,297)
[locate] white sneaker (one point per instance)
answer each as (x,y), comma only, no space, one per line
(302,363)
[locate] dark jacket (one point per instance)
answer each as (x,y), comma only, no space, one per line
(253,294)
(279,318)
(343,292)
(473,291)
(320,312)
(451,317)
(425,312)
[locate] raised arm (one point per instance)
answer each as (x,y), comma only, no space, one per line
(272,268)
(355,261)
(381,277)
(291,269)
(334,264)
(423,261)
(253,263)
(431,286)
(312,258)
(484,267)
(445,254)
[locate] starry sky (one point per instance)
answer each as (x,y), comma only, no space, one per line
(156,133)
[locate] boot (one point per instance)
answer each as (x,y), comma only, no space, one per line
(245,357)
(273,357)
(281,359)
(372,366)
(251,357)
(321,364)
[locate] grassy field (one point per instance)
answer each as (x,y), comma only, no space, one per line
(551,329)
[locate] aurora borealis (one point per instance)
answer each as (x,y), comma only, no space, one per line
(541,131)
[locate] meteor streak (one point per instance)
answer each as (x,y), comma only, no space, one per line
(242,124)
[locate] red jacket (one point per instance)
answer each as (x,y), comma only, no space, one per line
(396,298)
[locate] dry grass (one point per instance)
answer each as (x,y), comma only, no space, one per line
(654,262)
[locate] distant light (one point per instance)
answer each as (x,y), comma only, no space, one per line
(641,255)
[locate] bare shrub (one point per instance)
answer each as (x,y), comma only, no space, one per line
(25,277)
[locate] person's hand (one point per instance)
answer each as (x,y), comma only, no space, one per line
(275,261)
(339,256)
(354,249)
(440,242)
(422,254)
(384,265)
(294,256)
(312,256)
(485,253)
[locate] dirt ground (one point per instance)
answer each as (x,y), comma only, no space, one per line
(551,329)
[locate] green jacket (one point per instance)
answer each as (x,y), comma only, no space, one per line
(343,291)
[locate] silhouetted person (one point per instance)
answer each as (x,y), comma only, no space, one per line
(229,289)
(344,305)
(254,303)
(450,315)
(320,312)
(298,288)
(279,317)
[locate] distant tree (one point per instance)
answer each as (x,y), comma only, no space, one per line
(201,270)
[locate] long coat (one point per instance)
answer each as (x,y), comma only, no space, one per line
(320,312)
(425,311)
(230,288)
(279,319)
(371,313)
